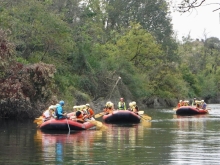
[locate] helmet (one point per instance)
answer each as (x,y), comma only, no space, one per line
(61,103)
(121,98)
(53,107)
(134,103)
(202,101)
(87,105)
(108,103)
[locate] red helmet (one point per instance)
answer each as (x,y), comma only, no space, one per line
(121,99)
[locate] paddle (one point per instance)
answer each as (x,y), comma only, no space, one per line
(99,115)
(142,115)
(145,117)
(98,124)
(140,112)
(39,123)
(37,120)
(146,123)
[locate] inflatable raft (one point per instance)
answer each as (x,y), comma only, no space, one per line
(65,124)
(121,116)
(189,110)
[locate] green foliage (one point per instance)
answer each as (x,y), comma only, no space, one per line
(207,88)
(22,60)
(36,32)
(139,47)
(200,63)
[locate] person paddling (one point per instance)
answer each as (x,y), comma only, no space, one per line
(135,107)
(194,102)
(90,112)
(203,104)
(109,107)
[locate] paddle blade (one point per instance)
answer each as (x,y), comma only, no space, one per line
(39,123)
(99,115)
(146,123)
(146,117)
(38,119)
(140,112)
(98,124)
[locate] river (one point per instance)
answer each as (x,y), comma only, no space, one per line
(166,140)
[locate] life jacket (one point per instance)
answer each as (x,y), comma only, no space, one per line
(121,105)
(90,112)
(59,116)
(79,116)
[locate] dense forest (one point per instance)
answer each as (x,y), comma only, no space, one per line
(76,51)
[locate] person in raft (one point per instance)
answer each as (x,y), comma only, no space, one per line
(135,107)
(198,104)
(130,106)
(81,116)
(59,110)
(194,102)
(179,104)
(121,104)
(72,115)
(50,112)
(90,112)
(203,105)
(108,108)
(186,102)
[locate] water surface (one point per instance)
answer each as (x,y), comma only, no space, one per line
(167,139)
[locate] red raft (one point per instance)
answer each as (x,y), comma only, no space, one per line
(121,116)
(189,110)
(65,124)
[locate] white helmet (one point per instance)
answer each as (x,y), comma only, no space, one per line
(133,103)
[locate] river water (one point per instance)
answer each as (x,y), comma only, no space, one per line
(166,140)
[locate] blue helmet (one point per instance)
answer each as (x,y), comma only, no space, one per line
(61,103)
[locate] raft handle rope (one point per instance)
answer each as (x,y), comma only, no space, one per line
(68,125)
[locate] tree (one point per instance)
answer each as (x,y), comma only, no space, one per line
(153,15)
(36,33)
(188,5)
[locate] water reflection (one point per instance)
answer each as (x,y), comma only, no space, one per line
(53,144)
(193,142)
(167,139)
(88,145)
(196,122)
